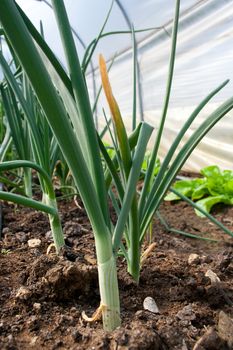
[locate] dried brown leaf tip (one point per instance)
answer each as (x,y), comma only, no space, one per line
(108,92)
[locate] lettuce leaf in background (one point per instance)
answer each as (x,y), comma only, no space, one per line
(187,188)
(146,162)
(200,191)
(218,182)
(215,187)
(208,202)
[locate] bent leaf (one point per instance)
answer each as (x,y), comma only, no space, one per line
(207,203)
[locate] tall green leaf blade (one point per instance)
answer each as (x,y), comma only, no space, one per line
(177,140)
(104,35)
(154,153)
(18,92)
(28,55)
(145,133)
(157,194)
(83,104)
(43,47)
(59,79)
(14,122)
(134,110)
(90,50)
(112,170)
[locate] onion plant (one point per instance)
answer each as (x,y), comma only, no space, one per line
(17,127)
(64,98)
(49,205)
(33,140)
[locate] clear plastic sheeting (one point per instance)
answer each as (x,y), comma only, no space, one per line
(204,60)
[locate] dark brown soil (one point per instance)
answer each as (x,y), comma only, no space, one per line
(42,296)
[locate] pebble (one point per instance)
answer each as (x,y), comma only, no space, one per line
(37,306)
(34,243)
(33,341)
(212,276)
(193,259)
(10,338)
(186,313)
(5,230)
(21,236)
(150,305)
(225,328)
(22,293)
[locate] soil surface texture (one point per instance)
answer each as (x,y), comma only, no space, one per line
(42,296)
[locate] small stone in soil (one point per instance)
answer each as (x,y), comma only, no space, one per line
(5,230)
(225,328)
(23,293)
(37,306)
(150,305)
(33,341)
(10,338)
(194,259)
(212,276)
(21,236)
(34,243)
(186,313)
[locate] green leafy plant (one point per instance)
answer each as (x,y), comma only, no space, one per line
(64,98)
(214,187)
(146,163)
